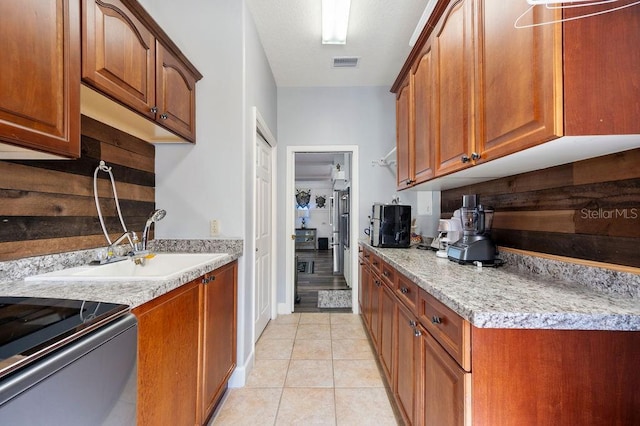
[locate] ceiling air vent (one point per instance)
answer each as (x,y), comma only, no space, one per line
(345,61)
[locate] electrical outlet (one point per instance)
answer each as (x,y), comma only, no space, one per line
(214,227)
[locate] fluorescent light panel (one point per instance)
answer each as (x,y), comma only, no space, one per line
(335,21)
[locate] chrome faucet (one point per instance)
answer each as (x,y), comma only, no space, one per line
(112,255)
(138,253)
(156,216)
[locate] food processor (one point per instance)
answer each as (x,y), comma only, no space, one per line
(476,244)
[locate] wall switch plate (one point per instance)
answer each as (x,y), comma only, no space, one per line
(214,228)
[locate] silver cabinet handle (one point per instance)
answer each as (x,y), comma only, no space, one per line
(412,323)
(436,320)
(164,116)
(154,110)
(465,158)
(475,156)
(404,290)
(417,332)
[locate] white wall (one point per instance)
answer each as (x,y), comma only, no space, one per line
(212,179)
(363,116)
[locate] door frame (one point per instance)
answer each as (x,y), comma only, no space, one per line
(354,217)
(262,128)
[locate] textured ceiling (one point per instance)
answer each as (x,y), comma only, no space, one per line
(379,33)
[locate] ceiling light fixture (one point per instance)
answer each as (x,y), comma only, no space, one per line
(335,21)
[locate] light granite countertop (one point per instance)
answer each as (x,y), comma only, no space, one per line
(507,297)
(132,293)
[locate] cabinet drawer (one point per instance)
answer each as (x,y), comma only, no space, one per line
(447,327)
(366,256)
(388,275)
(407,292)
(376,264)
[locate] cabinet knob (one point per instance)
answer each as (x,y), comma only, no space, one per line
(154,110)
(412,323)
(164,116)
(410,181)
(465,158)
(386,274)
(417,332)
(475,156)
(436,320)
(377,283)
(207,280)
(404,290)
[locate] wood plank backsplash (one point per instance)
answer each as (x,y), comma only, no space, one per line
(47,206)
(587,210)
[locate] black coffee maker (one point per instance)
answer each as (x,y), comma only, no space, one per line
(476,244)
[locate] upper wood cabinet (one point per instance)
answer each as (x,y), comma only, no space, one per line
(404,148)
(127,57)
(424,117)
(175,94)
(453,68)
(497,90)
(519,88)
(119,55)
(40,82)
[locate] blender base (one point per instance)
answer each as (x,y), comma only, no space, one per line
(477,250)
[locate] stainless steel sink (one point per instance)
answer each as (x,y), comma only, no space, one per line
(160,267)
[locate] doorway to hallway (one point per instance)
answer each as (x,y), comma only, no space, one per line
(309,207)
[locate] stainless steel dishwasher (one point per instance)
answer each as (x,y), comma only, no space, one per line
(67,362)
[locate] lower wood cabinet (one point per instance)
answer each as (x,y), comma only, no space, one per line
(219,314)
(387,332)
(407,365)
(168,353)
(376,288)
(442,371)
(444,389)
(187,349)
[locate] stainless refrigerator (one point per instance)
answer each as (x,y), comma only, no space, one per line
(340,228)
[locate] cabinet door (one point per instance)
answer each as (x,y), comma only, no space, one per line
(403,136)
(168,352)
(519,79)
(365,291)
(361,277)
(175,94)
(40,81)
(406,363)
(118,55)
(387,320)
(219,334)
(424,140)
(445,387)
(453,67)
(376,289)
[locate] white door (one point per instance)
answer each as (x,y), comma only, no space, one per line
(263,236)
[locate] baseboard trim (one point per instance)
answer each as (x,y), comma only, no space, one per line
(239,376)
(283,309)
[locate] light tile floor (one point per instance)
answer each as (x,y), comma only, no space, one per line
(311,369)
